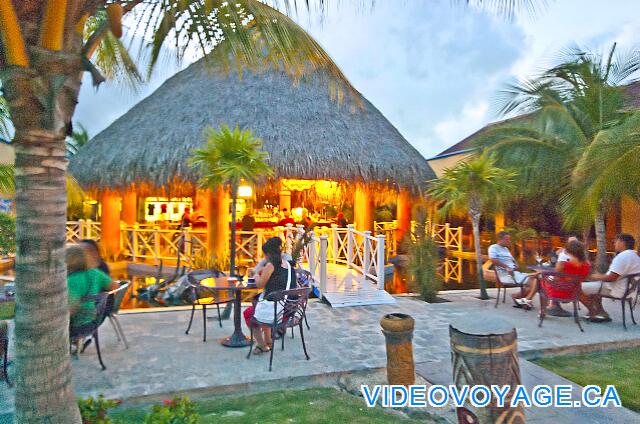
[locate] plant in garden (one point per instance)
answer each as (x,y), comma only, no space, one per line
(7,234)
(175,411)
(94,411)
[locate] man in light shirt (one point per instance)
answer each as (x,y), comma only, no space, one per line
(612,283)
(506,265)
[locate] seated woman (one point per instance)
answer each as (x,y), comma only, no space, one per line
(576,265)
(84,281)
(276,275)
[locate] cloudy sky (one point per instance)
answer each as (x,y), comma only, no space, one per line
(431,67)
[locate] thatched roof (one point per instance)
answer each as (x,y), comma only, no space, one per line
(307,134)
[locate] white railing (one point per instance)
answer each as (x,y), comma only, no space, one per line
(82,229)
(314,260)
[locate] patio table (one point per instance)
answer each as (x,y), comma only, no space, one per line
(237,339)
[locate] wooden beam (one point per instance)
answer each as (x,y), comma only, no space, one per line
(12,41)
(52,31)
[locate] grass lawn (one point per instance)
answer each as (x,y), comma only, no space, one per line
(287,406)
(620,368)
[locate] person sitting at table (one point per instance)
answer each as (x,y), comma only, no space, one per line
(573,263)
(276,275)
(625,262)
(248,222)
(287,219)
(506,266)
(94,259)
(341,221)
(84,281)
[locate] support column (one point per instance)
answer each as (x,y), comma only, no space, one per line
(218,223)
(201,203)
(129,207)
(612,219)
(110,223)
(499,221)
(363,209)
(285,200)
(630,217)
(403,216)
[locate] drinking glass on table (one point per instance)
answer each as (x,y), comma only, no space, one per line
(538,258)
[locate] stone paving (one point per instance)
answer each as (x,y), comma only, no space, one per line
(162,359)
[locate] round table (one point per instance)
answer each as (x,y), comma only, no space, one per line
(237,339)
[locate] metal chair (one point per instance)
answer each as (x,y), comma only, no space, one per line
(632,287)
(204,296)
(104,306)
(289,311)
(559,287)
(503,284)
(118,296)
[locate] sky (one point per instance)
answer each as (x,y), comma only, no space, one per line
(434,68)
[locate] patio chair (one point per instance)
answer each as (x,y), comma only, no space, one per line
(559,287)
(104,306)
(502,284)
(118,296)
(293,308)
(630,296)
(204,296)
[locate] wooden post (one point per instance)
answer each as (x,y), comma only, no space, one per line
(110,223)
(366,254)
(312,257)
(134,241)
(129,207)
(323,264)
(218,223)
(485,352)
(350,243)
(499,221)
(156,243)
(380,261)
(335,242)
(259,242)
(363,209)
(403,216)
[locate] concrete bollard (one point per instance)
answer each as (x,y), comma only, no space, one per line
(484,351)
(398,332)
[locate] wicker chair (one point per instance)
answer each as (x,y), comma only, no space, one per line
(630,296)
(118,296)
(559,287)
(204,296)
(502,284)
(104,306)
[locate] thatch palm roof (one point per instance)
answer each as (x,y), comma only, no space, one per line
(308,135)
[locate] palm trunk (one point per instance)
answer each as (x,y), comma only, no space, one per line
(41,111)
(475,221)
(601,240)
(232,244)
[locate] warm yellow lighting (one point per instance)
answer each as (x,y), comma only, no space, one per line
(245,191)
(325,189)
(297,213)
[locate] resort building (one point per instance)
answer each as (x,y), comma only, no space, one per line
(328,155)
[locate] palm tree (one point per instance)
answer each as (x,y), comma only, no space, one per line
(570,105)
(228,158)
(475,186)
(78,138)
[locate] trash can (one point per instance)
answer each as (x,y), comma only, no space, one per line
(398,332)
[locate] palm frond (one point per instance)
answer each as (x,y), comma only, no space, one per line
(7,182)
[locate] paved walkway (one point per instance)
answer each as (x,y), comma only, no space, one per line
(162,359)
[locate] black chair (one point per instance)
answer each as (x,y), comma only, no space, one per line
(118,296)
(204,296)
(630,296)
(567,289)
(289,311)
(104,306)
(4,347)
(502,284)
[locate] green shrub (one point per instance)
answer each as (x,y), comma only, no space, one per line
(176,411)
(7,234)
(94,411)
(423,269)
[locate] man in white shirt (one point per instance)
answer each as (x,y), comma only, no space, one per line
(612,283)
(506,265)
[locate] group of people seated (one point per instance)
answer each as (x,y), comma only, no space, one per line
(571,261)
(87,277)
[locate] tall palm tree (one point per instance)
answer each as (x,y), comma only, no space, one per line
(229,157)
(473,187)
(571,106)
(79,137)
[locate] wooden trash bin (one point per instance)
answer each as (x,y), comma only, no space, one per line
(484,351)
(398,333)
